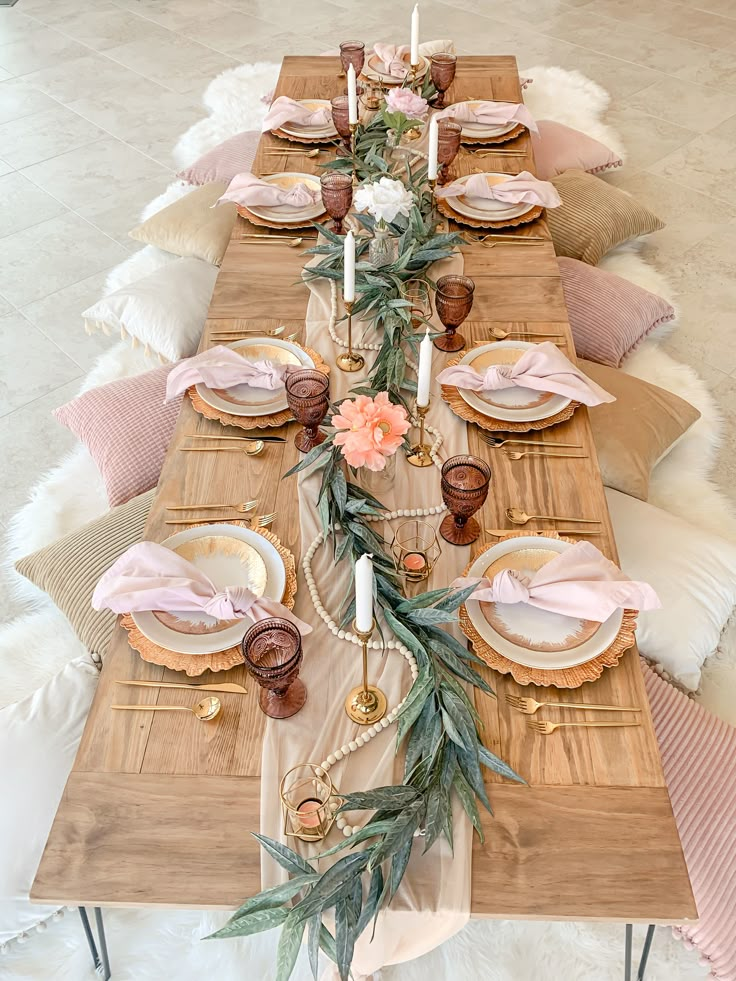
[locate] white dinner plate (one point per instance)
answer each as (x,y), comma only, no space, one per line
(284,214)
(525,634)
(230,556)
(482,131)
(375,69)
(248,400)
(515,404)
(304,132)
(474,207)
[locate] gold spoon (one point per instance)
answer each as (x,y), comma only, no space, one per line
(273,332)
(293,243)
(249,451)
(501,334)
(314,152)
(519,517)
(205,710)
(519,455)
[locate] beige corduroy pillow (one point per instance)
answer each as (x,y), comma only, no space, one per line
(191,226)
(636,431)
(595,217)
(69,569)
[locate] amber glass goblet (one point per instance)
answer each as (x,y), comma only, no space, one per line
(465,482)
(341,119)
(273,654)
(448,145)
(453,301)
(442,71)
(337,196)
(308,397)
(352,53)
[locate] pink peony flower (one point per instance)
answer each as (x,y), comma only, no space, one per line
(404,100)
(370,430)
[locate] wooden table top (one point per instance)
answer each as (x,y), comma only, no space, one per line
(157,811)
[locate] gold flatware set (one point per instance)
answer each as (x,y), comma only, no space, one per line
(264,521)
(502,532)
(529,706)
(548,454)
(496,441)
(225,686)
(226,336)
(243,508)
(501,334)
(547,728)
(518,517)
(291,243)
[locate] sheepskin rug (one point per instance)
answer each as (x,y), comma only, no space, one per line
(151,945)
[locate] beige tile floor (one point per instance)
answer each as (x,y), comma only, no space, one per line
(93,96)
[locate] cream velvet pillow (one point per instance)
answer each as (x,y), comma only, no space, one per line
(191,226)
(636,431)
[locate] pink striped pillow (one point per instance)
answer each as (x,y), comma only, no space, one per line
(559,148)
(234,156)
(609,316)
(127,429)
(699,760)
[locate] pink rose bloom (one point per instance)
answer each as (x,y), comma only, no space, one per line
(370,430)
(404,100)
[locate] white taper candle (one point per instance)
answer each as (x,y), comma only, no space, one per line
(424,375)
(348,255)
(352,96)
(432,149)
(364,593)
(415,35)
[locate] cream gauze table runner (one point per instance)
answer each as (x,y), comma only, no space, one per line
(433,901)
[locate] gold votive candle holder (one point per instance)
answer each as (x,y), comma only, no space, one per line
(308,801)
(415,549)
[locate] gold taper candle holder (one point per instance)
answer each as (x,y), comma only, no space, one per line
(353,128)
(419,454)
(413,69)
(350,361)
(365,704)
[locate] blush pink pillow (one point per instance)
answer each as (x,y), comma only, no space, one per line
(559,148)
(698,752)
(609,316)
(234,156)
(127,429)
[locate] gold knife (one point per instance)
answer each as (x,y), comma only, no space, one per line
(225,686)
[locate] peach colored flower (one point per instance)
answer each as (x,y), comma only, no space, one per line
(370,430)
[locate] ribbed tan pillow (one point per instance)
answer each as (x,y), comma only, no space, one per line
(595,217)
(191,226)
(68,570)
(636,431)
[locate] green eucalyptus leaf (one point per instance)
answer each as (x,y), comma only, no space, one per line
(398,866)
(325,892)
(467,799)
(340,489)
(313,927)
(276,895)
(288,949)
(370,830)
(388,798)
(493,762)
(431,616)
(371,906)
(456,599)
(285,856)
(257,922)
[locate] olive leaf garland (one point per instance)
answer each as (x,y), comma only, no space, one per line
(438,723)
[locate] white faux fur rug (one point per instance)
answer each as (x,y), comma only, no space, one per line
(148,945)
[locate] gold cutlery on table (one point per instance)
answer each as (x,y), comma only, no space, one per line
(291,243)
(248,439)
(255,450)
(205,710)
(519,517)
(244,335)
(495,441)
(521,454)
(243,508)
(496,237)
(502,532)
(263,522)
(314,152)
(272,332)
(489,152)
(547,728)
(225,686)
(501,334)
(528,706)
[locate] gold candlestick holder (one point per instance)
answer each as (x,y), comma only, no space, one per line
(413,69)
(365,704)
(419,455)
(353,128)
(350,361)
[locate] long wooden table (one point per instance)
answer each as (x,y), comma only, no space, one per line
(157,810)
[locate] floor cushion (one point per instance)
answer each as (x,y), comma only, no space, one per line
(234,156)
(558,148)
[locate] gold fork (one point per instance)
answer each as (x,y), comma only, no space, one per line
(547,728)
(244,335)
(496,442)
(502,532)
(243,508)
(263,522)
(529,706)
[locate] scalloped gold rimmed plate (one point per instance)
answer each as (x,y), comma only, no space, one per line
(376,70)
(524,634)
(483,131)
(230,556)
(285,214)
(310,132)
(480,209)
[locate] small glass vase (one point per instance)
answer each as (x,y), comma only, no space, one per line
(377,482)
(382,248)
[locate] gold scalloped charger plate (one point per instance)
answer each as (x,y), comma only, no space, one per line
(285,215)
(445,207)
(229,557)
(480,209)
(309,134)
(474,140)
(375,69)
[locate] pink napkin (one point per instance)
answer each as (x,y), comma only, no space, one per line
(579,582)
(519,187)
(490,114)
(247,189)
(149,576)
(391,55)
(543,368)
(222,367)
(285,110)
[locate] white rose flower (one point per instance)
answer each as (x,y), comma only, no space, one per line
(384,200)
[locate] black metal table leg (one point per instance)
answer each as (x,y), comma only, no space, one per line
(628,945)
(90,938)
(103,945)
(645,953)
(100,957)
(627,951)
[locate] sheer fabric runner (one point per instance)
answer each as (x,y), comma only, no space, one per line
(434,899)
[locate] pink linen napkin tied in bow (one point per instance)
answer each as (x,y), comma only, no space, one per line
(286,110)
(521,187)
(542,368)
(247,189)
(579,582)
(222,367)
(490,114)
(392,57)
(149,576)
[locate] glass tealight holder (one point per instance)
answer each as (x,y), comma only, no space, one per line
(309,802)
(415,549)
